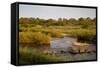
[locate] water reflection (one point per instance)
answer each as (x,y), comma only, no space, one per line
(65,42)
(63,47)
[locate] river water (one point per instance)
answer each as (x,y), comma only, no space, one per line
(62,46)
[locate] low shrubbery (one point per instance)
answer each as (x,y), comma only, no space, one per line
(36,38)
(56,34)
(84,35)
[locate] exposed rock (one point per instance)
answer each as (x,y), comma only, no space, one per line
(80,44)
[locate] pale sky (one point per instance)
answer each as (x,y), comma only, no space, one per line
(55,12)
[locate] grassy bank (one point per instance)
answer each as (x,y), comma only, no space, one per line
(84,35)
(27,56)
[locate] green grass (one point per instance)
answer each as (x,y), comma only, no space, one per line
(37,38)
(84,35)
(27,56)
(43,32)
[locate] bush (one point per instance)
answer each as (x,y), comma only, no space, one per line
(85,35)
(40,38)
(57,34)
(37,38)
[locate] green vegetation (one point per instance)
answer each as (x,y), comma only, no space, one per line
(85,35)
(39,33)
(28,56)
(36,38)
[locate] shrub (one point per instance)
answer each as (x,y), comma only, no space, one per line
(85,35)
(37,38)
(40,38)
(57,34)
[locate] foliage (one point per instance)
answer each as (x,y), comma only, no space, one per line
(59,22)
(57,34)
(34,30)
(37,38)
(85,35)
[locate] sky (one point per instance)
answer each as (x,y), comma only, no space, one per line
(55,12)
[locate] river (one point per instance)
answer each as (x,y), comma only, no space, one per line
(62,47)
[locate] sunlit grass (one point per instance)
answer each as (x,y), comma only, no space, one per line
(37,38)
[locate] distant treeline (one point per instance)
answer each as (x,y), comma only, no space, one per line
(58,22)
